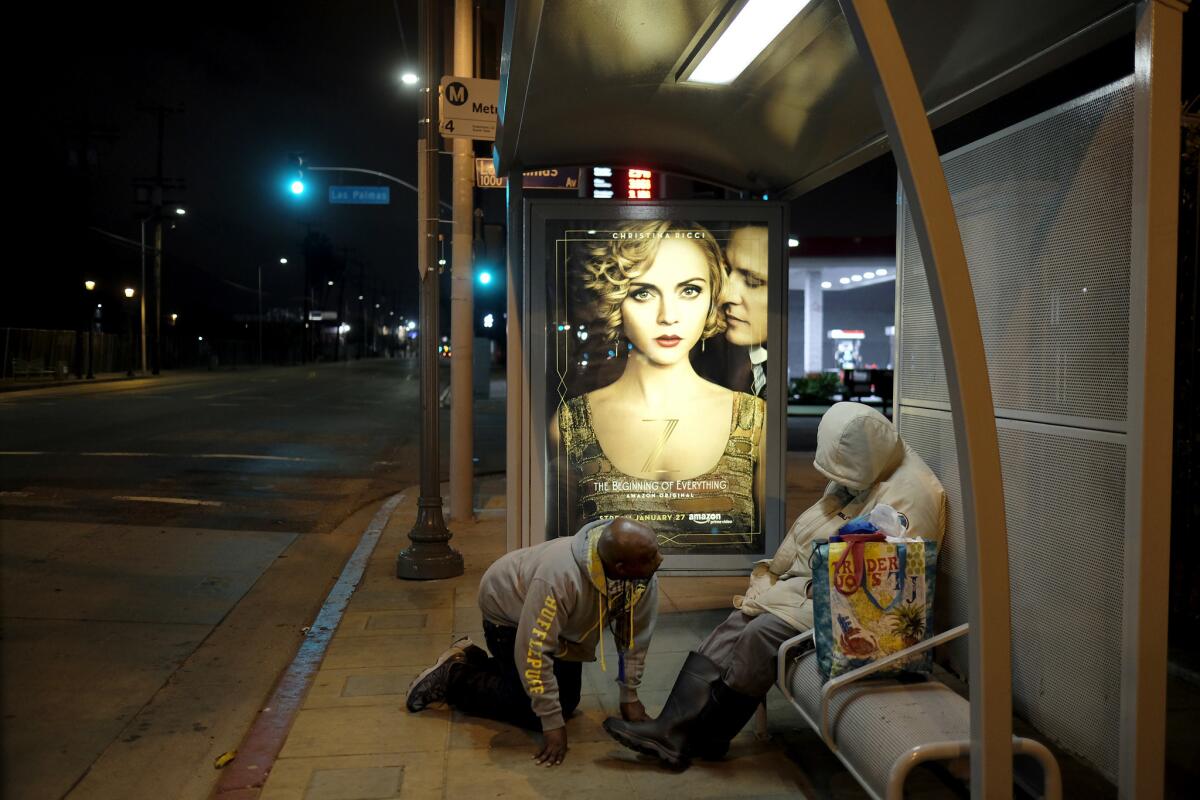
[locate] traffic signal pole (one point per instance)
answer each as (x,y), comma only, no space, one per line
(429,554)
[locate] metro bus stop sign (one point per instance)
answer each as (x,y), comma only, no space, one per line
(467,107)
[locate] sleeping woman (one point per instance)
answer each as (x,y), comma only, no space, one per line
(660,444)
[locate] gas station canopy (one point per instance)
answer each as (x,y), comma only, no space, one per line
(606,82)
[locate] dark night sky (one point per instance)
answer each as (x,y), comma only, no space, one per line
(256,80)
(259,80)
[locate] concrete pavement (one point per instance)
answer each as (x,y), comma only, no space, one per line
(353,738)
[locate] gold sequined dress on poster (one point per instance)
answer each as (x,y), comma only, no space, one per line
(713,512)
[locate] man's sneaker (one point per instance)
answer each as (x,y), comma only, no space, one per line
(430,686)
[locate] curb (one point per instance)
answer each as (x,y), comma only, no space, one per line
(246,776)
(67,384)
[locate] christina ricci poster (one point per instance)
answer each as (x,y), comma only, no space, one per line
(657,364)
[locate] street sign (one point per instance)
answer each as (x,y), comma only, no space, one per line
(553,178)
(361,195)
(467,107)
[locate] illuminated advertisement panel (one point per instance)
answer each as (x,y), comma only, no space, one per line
(660,392)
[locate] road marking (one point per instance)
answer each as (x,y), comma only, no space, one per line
(224,405)
(222,394)
(175,501)
(248,457)
(235,456)
(15,494)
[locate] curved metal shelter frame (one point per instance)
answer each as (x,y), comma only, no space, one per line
(585,83)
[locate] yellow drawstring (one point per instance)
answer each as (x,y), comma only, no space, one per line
(632,601)
(601,631)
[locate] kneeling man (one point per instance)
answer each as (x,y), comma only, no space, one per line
(544,609)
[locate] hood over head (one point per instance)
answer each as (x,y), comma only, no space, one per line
(856,445)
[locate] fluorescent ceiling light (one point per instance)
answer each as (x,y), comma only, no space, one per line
(856,278)
(881,272)
(754,27)
(868,274)
(826,284)
(793,241)
(843,281)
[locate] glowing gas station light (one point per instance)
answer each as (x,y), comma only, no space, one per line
(297,187)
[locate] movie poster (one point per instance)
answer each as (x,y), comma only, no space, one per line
(657,365)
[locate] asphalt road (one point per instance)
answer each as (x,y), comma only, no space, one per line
(163,543)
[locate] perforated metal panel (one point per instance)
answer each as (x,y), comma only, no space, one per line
(1044,211)
(1064,498)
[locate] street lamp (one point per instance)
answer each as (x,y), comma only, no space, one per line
(129,293)
(89,286)
(260,311)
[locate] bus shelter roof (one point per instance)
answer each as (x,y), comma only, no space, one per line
(590,82)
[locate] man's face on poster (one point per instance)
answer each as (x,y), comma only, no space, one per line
(745,296)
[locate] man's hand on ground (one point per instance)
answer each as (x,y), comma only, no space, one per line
(634,712)
(554,748)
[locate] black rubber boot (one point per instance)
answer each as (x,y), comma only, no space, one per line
(667,736)
(723,718)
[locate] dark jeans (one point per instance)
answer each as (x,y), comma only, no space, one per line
(493,688)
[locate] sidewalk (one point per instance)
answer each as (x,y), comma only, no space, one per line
(353,738)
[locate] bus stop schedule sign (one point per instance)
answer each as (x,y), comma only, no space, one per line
(467,107)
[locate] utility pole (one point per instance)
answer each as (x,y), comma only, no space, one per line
(157,185)
(142,296)
(260,348)
(462,306)
(429,555)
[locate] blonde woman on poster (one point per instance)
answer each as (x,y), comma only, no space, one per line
(661,444)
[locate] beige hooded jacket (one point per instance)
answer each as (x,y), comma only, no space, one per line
(860,452)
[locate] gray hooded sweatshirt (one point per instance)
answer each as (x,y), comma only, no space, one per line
(555,595)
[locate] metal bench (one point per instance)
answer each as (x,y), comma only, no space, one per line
(882,729)
(24,369)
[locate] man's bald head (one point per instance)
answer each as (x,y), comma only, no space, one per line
(629,549)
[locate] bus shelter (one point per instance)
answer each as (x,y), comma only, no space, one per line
(1035,301)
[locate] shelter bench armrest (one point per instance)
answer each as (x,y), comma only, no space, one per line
(781,660)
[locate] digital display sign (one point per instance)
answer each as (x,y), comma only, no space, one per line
(633,183)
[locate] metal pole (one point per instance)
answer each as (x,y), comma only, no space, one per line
(429,555)
(904,118)
(91,342)
(158,244)
(462,328)
(142,297)
(260,315)
(132,354)
(1157,75)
